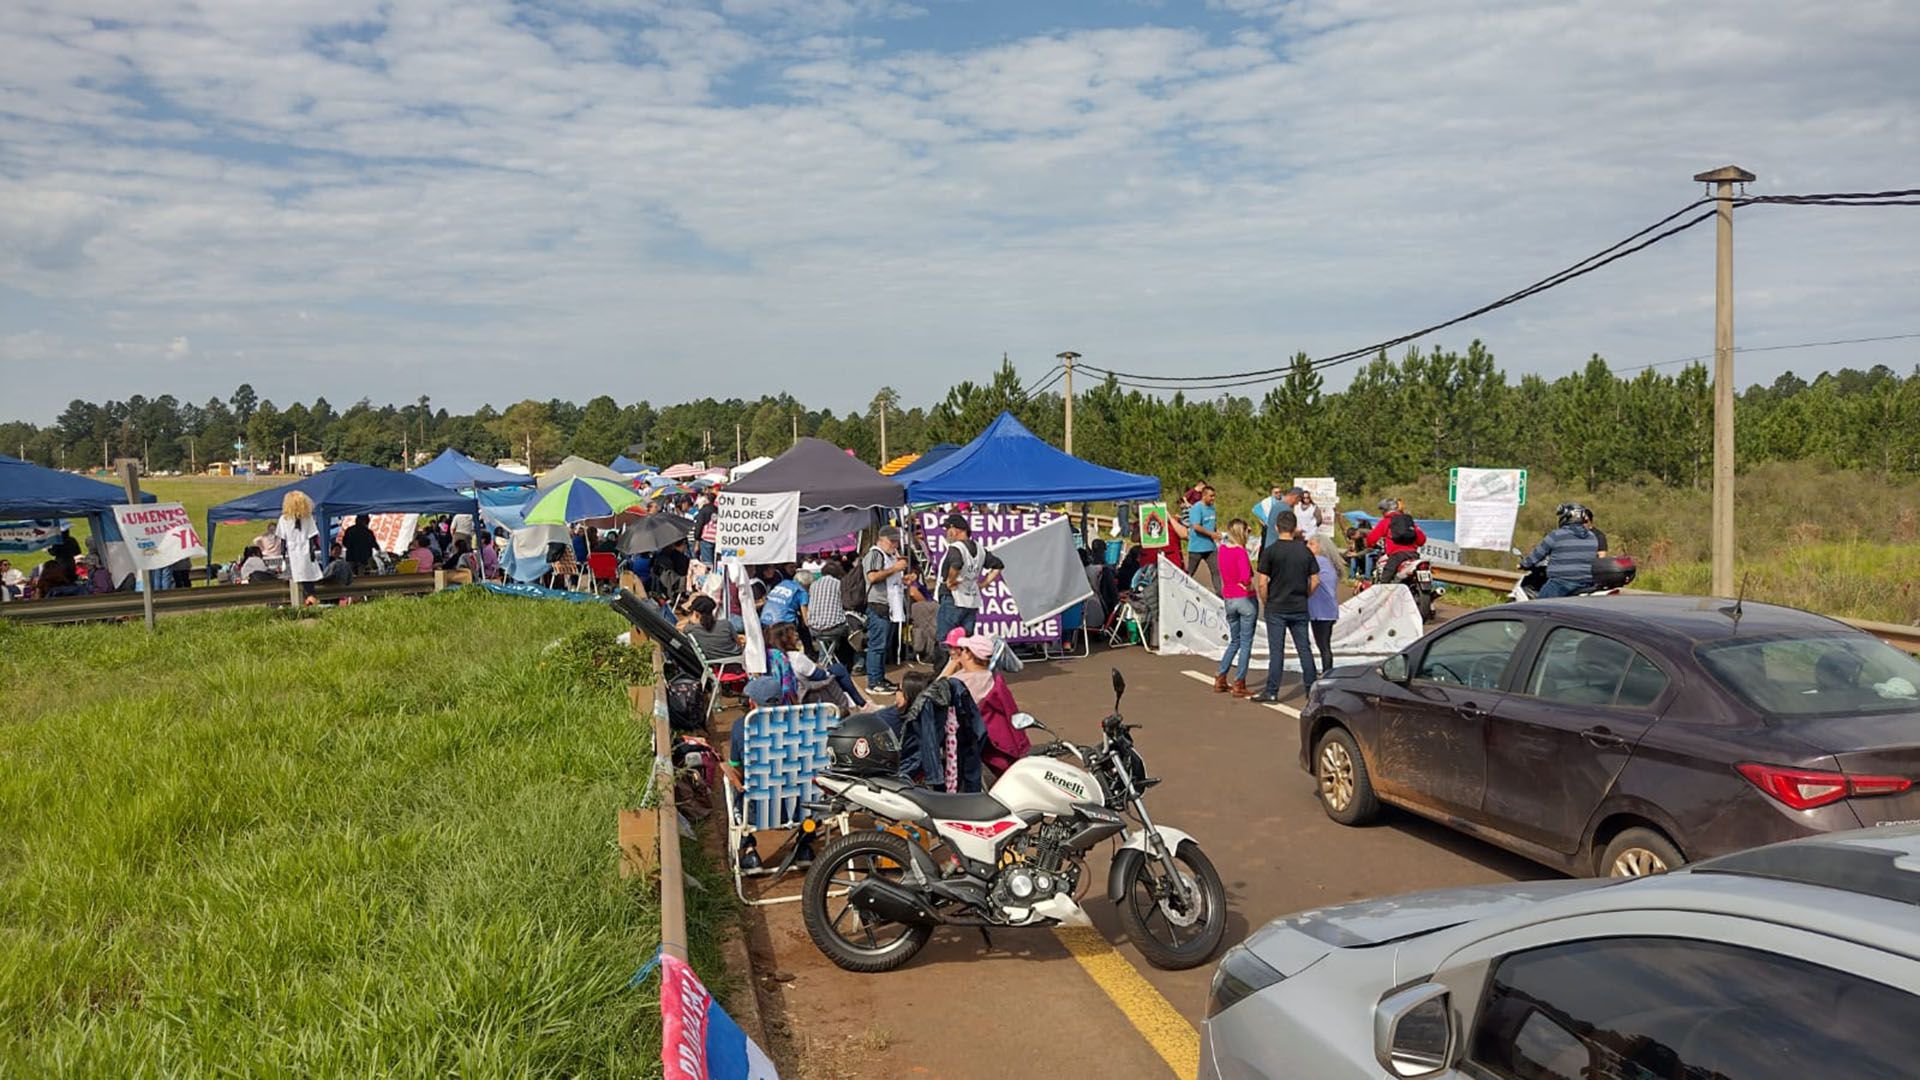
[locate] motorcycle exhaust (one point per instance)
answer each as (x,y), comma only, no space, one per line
(892,903)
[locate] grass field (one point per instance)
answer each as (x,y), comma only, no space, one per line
(374,843)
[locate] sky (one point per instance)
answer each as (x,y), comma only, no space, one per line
(483,200)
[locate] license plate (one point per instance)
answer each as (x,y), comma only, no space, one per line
(1424,575)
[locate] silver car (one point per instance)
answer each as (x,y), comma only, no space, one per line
(1794,960)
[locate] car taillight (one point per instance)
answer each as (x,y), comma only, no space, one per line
(1805,789)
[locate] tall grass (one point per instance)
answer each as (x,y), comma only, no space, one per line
(377,843)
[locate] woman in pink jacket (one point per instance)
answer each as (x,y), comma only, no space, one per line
(968,661)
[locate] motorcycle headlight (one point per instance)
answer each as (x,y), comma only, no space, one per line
(1240,975)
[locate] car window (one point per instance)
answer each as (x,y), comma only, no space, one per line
(1815,676)
(1473,655)
(1581,668)
(1642,1008)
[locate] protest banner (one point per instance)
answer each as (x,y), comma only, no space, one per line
(1324,489)
(698,1040)
(1043,569)
(1373,624)
(1486,505)
(999,615)
(23,536)
(1153,525)
(158,535)
(757,529)
(393,532)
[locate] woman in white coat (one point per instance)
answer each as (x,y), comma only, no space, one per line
(298,533)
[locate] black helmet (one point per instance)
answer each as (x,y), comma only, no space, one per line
(1572,513)
(864,744)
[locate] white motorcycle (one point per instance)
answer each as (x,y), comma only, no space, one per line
(1011,857)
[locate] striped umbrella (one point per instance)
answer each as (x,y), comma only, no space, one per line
(579,499)
(679,472)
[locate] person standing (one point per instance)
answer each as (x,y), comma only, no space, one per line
(886,594)
(1282,499)
(1236,586)
(1288,576)
(1203,539)
(1323,607)
(966,568)
(299,536)
(701,519)
(359,543)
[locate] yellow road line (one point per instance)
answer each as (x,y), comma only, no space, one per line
(1275,706)
(1157,1021)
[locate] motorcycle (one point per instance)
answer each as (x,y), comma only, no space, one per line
(1414,572)
(1611,576)
(1011,857)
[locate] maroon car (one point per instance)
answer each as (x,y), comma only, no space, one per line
(1625,735)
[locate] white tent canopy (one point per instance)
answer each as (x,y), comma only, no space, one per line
(746,467)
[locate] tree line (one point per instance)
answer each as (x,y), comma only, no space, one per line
(1395,422)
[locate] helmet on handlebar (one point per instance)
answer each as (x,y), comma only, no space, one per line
(865,745)
(1572,513)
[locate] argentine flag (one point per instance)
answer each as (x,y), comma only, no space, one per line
(700,1041)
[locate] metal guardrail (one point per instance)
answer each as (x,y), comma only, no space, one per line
(1502,581)
(128,605)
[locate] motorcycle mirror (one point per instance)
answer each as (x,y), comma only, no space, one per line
(1119,686)
(1022,721)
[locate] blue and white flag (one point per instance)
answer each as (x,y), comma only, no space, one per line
(700,1041)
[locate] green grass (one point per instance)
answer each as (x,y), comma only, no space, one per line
(196,493)
(373,843)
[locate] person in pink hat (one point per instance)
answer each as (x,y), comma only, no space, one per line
(970,662)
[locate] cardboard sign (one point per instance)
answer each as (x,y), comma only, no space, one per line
(757,529)
(1154,532)
(157,535)
(999,615)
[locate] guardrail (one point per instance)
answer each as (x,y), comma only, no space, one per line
(128,605)
(1502,581)
(649,837)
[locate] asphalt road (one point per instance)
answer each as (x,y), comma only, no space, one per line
(1231,778)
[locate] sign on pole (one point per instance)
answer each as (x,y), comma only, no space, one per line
(158,534)
(757,529)
(1153,525)
(1453,484)
(1324,489)
(1486,504)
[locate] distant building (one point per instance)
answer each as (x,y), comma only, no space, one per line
(306,464)
(512,466)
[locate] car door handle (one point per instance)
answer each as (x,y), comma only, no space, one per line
(1471,711)
(1602,739)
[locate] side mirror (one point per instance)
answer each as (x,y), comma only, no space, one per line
(1022,721)
(1395,669)
(1413,1032)
(1119,685)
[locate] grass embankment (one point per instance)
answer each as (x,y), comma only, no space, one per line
(1837,541)
(375,843)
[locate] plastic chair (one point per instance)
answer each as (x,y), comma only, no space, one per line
(603,566)
(782,748)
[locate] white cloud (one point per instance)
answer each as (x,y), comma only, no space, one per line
(669,199)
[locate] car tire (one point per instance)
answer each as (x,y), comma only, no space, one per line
(1637,853)
(1340,776)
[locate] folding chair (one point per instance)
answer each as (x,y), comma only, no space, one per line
(1123,624)
(603,567)
(782,748)
(728,673)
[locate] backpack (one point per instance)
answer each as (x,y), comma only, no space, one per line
(853,586)
(686,705)
(1400,529)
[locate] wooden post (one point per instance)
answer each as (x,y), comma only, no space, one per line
(1723,180)
(130,476)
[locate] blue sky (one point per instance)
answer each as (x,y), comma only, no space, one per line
(486,200)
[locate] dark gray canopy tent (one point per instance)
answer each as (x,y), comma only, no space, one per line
(827,478)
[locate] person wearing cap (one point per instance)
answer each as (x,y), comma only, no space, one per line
(970,662)
(965,569)
(886,596)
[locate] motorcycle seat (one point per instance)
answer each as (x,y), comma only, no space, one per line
(975,806)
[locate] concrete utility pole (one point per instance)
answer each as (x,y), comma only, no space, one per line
(883,431)
(737,459)
(1066,360)
(1723,180)
(796,429)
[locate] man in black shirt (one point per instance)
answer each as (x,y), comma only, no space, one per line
(1288,574)
(359,542)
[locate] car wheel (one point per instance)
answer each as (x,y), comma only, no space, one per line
(1638,853)
(1346,792)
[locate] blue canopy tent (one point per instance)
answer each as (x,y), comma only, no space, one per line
(1009,464)
(626,465)
(29,491)
(453,469)
(935,454)
(1435,528)
(342,491)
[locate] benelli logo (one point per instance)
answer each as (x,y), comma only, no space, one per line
(985,832)
(1069,785)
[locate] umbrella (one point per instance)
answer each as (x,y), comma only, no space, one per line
(702,482)
(658,485)
(653,532)
(577,499)
(677,472)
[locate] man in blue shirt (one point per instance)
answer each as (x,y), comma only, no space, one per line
(1567,553)
(787,602)
(1203,537)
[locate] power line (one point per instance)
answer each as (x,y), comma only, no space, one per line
(1049,379)
(1771,348)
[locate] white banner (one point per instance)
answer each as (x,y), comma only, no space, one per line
(158,535)
(1324,489)
(1373,625)
(757,529)
(1486,505)
(393,532)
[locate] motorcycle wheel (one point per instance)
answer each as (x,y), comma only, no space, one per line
(1424,601)
(1157,931)
(856,940)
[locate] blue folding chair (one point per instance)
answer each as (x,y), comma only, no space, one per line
(780,750)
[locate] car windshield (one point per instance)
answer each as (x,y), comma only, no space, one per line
(1815,676)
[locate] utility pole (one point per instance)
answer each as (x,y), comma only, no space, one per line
(737,459)
(1723,180)
(796,429)
(883,430)
(1066,360)
(193,455)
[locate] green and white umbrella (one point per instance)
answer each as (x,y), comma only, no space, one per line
(579,499)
